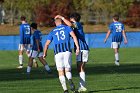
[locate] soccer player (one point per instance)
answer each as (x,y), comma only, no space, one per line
(25,34)
(118,32)
(37,50)
(82,57)
(60,36)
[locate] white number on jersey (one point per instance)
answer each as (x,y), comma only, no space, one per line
(118,28)
(60,35)
(27,29)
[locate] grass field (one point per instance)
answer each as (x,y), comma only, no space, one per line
(102,75)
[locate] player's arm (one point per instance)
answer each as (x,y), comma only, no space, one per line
(75,41)
(21,35)
(37,40)
(49,40)
(37,43)
(67,22)
(107,35)
(124,36)
(46,48)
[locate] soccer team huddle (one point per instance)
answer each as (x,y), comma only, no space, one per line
(61,37)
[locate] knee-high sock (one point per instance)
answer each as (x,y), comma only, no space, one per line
(47,67)
(68,75)
(34,60)
(28,69)
(117,56)
(82,79)
(21,59)
(63,82)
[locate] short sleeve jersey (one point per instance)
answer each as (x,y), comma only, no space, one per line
(78,30)
(37,35)
(25,34)
(60,36)
(116,29)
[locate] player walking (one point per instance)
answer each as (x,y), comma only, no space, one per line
(82,58)
(60,36)
(25,42)
(37,49)
(118,32)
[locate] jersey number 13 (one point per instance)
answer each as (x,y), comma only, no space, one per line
(60,35)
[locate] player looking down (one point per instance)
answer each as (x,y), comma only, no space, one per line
(60,36)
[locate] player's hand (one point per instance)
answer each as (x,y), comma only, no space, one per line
(105,40)
(23,46)
(59,16)
(125,41)
(77,52)
(44,56)
(38,50)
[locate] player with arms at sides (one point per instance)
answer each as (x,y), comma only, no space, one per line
(82,57)
(118,32)
(25,41)
(60,36)
(37,50)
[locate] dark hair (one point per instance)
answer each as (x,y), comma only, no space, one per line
(34,25)
(22,18)
(116,17)
(76,16)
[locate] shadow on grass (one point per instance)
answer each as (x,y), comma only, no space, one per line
(110,69)
(109,90)
(20,74)
(39,73)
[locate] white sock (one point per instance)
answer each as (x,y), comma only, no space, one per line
(82,79)
(63,82)
(28,69)
(34,60)
(20,59)
(68,75)
(47,67)
(117,56)
(28,55)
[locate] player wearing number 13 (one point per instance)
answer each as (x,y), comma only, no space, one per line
(82,58)
(60,36)
(118,32)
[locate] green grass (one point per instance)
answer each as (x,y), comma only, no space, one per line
(102,75)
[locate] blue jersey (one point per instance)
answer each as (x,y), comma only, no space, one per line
(116,29)
(25,34)
(78,30)
(37,35)
(61,38)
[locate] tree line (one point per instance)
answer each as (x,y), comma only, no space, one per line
(92,11)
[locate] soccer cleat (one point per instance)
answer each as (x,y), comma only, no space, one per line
(72,86)
(35,64)
(20,67)
(66,91)
(28,75)
(117,63)
(49,72)
(82,89)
